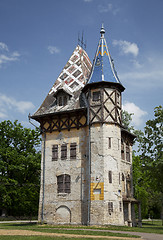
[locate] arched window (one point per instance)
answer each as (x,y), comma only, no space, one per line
(122,150)
(127,152)
(63,183)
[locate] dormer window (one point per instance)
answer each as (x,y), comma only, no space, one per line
(62,96)
(62,100)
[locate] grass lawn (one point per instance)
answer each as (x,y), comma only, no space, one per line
(148,227)
(53,229)
(42,238)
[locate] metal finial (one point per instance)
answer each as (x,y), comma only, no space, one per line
(102,32)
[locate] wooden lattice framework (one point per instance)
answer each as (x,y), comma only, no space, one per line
(107,108)
(62,121)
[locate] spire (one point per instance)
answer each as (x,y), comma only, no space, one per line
(103,65)
(102,31)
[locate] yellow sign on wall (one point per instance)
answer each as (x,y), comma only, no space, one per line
(97,191)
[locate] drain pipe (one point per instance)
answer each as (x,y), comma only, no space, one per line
(89,170)
(89,159)
(43,177)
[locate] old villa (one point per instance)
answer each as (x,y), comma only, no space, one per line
(86,173)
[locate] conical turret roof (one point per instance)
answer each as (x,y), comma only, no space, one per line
(103,69)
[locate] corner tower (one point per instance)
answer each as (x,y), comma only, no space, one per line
(103,93)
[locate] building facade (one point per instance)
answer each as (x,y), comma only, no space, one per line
(86,166)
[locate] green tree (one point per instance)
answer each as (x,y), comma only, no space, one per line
(19,169)
(148,165)
(151,148)
(126,120)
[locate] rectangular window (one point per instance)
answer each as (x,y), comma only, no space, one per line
(73,151)
(96,96)
(109,142)
(64,151)
(127,153)
(120,206)
(110,176)
(55,152)
(122,150)
(63,183)
(118,144)
(110,207)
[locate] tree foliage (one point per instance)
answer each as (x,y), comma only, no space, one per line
(151,154)
(19,169)
(148,165)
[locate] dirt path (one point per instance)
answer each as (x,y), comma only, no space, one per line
(8,232)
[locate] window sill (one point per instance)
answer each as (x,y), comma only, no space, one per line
(124,161)
(62,194)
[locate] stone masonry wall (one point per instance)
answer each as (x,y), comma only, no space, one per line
(65,207)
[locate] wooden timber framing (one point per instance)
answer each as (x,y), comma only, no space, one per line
(99,111)
(62,121)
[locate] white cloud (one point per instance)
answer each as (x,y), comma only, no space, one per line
(136,63)
(105,8)
(138,114)
(108,8)
(8,104)
(6,55)
(53,49)
(88,0)
(146,78)
(127,47)
(3,115)
(3,46)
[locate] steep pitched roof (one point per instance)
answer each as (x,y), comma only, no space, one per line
(103,65)
(71,80)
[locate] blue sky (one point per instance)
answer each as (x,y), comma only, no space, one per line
(37,37)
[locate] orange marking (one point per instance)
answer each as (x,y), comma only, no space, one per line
(101,54)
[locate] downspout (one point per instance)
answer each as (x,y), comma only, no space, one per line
(89,160)
(43,178)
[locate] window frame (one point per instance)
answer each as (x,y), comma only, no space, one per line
(96,96)
(127,152)
(55,152)
(120,206)
(73,152)
(64,183)
(110,207)
(122,150)
(109,142)
(64,151)
(110,176)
